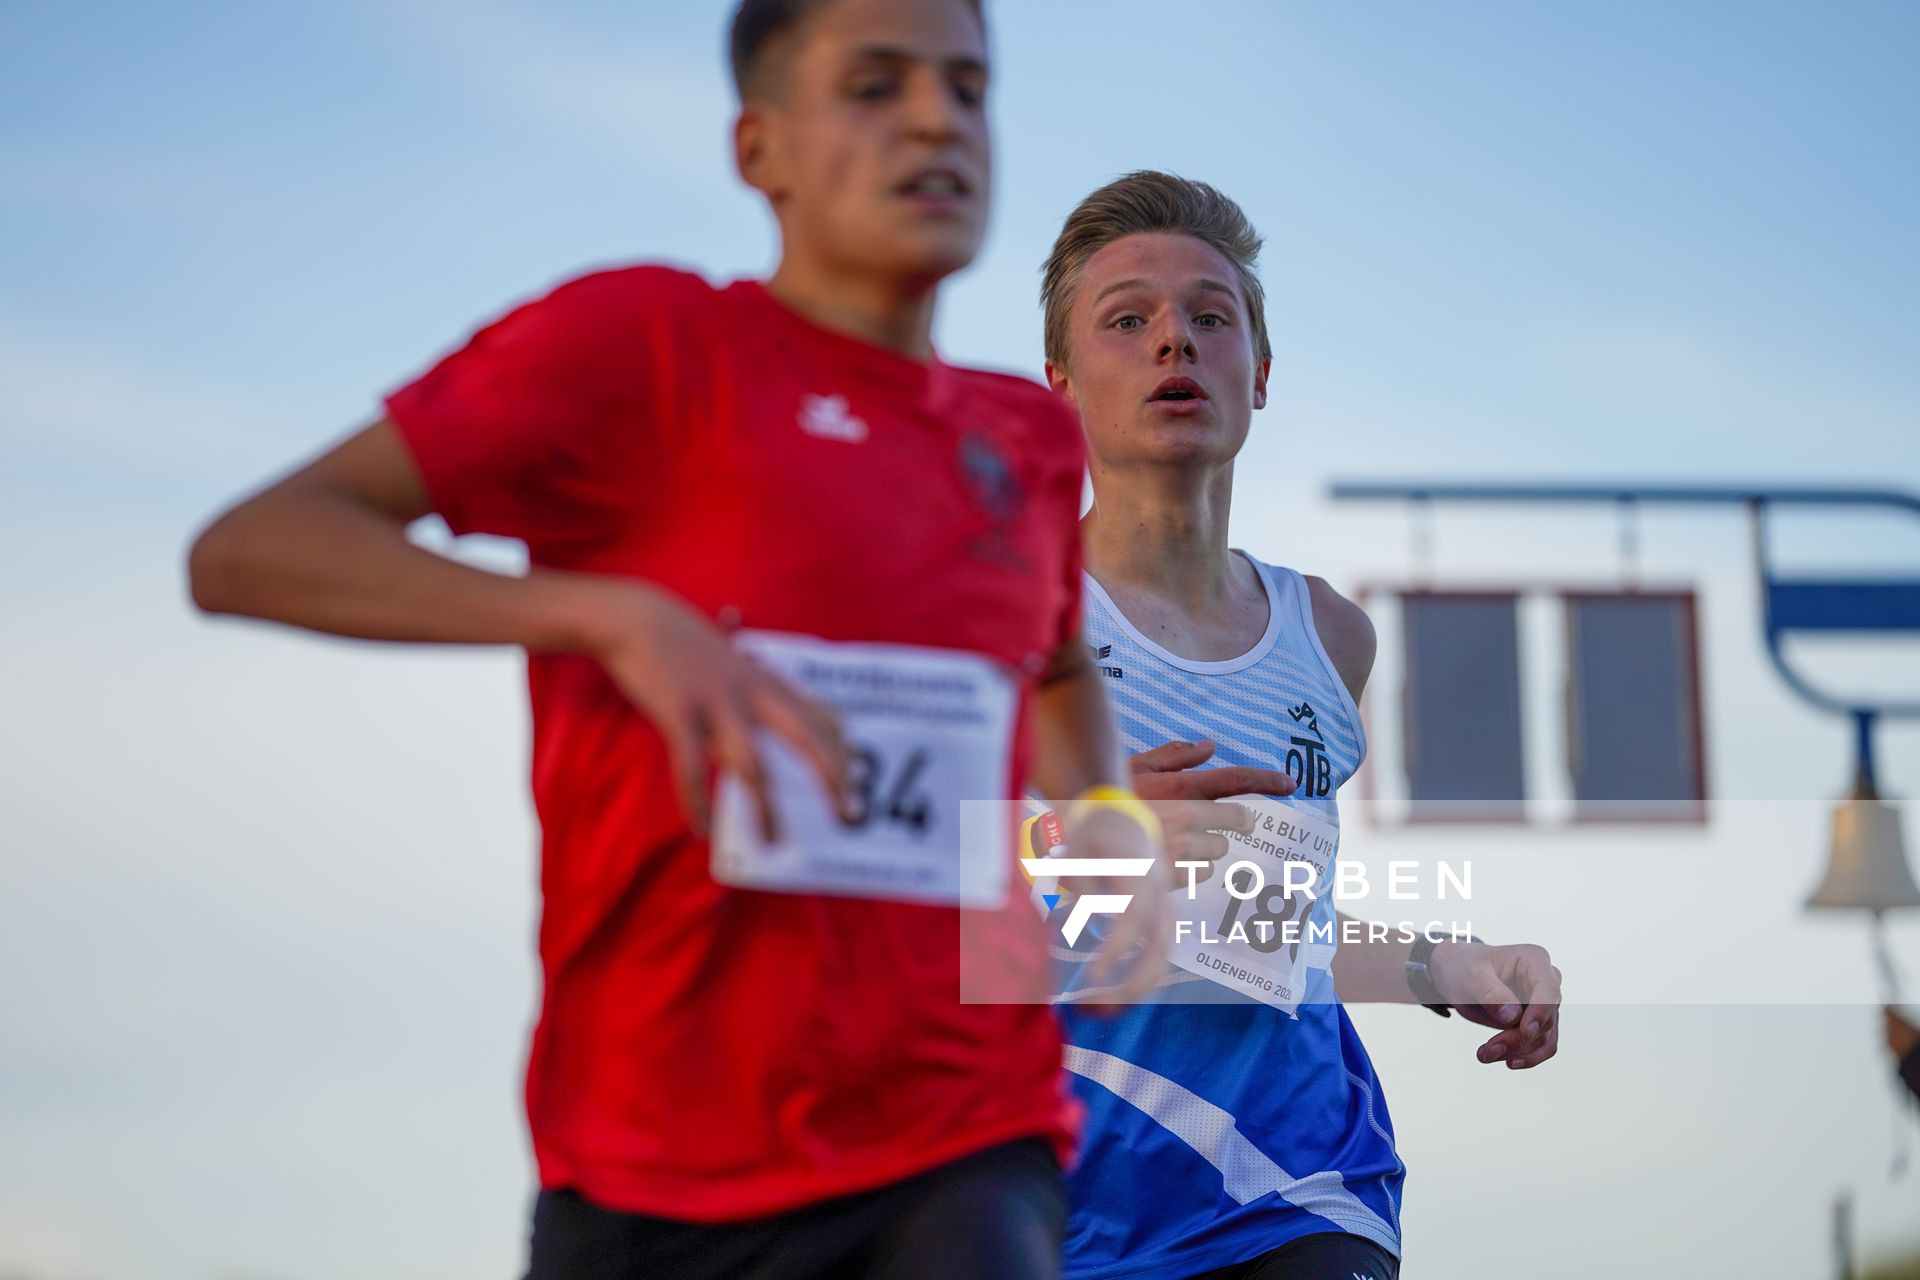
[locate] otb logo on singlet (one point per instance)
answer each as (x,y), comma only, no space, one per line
(1307,757)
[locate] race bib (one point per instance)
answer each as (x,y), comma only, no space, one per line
(930,732)
(1256,939)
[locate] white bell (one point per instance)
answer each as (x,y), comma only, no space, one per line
(1867,867)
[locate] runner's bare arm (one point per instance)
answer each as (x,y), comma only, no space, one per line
(1514,989)
(1371,970)
(326,548)
(1365,970)
(1346,633)
(1076,747)
(1075,743)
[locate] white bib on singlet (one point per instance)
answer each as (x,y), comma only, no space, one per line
(931,735)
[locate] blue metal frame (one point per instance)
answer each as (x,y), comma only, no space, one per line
(1786,605)
(1690,494)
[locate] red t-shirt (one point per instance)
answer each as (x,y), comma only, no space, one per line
(708,1053)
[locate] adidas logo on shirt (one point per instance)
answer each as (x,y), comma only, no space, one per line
(827,417)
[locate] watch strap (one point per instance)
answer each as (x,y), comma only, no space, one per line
(1420,972)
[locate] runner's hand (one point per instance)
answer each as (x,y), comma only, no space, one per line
(1902,1036)
(707,698)
(1187,798)
(1515,988)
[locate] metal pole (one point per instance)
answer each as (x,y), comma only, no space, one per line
(1863,780)
(1843,1236)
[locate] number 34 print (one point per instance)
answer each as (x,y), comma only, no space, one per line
(930,733)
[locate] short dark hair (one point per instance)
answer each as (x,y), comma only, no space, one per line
(1150,201)
(759,26)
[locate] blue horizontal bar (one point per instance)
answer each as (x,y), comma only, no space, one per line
(1843,606)
(1695,494)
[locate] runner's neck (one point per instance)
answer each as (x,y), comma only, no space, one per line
(1167,567)
(1163,532)
(888,312)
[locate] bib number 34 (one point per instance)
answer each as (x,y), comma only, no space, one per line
(932,733)
(884,792)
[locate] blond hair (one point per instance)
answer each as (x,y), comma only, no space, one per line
(1147,200)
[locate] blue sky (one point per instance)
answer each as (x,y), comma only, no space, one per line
(272,894)
(1567,227)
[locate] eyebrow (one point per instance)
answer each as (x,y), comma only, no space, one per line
(1205,285)
(895,54)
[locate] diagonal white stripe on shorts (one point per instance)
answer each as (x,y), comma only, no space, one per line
(1246,1172)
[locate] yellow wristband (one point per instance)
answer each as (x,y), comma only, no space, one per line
(1119,800)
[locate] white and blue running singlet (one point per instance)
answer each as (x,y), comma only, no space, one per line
(1221,1129)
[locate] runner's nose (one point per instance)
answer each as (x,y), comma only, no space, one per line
(1176,341)
(934,115)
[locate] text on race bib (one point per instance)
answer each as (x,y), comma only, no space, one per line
(930,735)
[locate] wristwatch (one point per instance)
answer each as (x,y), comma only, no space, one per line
(1420,976)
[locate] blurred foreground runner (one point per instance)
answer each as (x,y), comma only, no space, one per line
(774,539)
(1235,1127)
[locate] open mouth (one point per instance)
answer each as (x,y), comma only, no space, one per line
(1176,390)
(937,184)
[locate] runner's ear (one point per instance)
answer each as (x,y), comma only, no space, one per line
(756,153)
(1260,384)
(1057,380)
